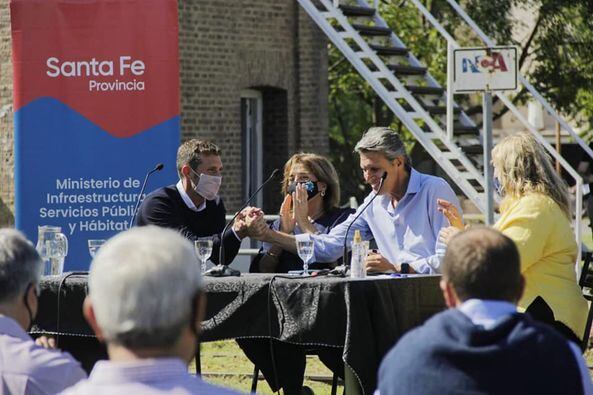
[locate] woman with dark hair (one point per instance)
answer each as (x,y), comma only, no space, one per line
(311,196)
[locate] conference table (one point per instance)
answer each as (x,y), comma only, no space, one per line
(361,317)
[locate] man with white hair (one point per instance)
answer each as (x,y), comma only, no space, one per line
(146,302)
(26,368)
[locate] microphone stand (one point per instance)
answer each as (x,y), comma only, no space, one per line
(344,269)
(223,270)
(158,167)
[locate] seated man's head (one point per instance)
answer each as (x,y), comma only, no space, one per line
(382,151)
(20,271)
(481,263)
(144,295)
(200,168)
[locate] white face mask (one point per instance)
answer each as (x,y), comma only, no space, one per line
(208,186)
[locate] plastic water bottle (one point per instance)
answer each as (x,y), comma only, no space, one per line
(360,249)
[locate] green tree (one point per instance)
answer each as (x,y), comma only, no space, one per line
(556,56)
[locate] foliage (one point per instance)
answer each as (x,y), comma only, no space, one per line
(556,55)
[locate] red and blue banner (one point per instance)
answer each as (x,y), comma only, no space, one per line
(96,101)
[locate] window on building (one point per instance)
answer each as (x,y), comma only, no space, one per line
(252,155)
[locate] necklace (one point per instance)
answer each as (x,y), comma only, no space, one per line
(316,216)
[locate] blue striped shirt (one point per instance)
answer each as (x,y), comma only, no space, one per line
(406,233)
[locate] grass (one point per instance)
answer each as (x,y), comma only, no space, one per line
(223,363)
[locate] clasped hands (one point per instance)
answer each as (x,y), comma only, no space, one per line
(250,222)
(294,210)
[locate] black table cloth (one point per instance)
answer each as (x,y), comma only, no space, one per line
(363,317)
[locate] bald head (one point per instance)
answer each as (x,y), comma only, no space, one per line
(483,263)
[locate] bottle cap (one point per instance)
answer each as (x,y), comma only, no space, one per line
(357,236)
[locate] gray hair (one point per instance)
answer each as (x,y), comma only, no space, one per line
(142,284)
(20,264)
(385,141)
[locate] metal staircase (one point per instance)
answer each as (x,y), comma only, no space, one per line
(417,99)
(407,88)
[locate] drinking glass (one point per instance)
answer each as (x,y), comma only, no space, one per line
(203,247)
(305,251)
(94,245)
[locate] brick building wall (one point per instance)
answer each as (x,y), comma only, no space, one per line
(225,48)
(6,120)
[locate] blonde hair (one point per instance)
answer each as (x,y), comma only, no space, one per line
(525,167)
(323,170)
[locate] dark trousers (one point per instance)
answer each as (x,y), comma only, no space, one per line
(287,369)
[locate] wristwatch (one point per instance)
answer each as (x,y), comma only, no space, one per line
(405,268)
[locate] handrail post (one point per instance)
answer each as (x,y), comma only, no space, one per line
(450,71)
(578,214)
(558,146)
(488,170)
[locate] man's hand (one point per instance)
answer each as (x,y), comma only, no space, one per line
(377,263)
(46,342)
(244,219)
(257,227)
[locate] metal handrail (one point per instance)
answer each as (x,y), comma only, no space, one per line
(504,98)
(488,41)
(389,96)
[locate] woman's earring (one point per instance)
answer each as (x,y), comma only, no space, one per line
(322,193)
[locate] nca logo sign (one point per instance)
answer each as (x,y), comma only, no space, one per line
(484,69)
(484,63)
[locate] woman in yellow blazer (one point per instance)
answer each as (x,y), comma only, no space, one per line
(535,213)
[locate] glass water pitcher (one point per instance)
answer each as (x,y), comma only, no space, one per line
(52,246)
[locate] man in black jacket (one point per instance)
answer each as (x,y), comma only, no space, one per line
(481,344)
(193,206)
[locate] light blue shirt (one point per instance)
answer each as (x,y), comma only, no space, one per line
(487,313)
(407,233)
(29,369)
(157,376)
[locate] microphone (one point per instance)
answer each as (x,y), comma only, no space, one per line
(342,270)
(222,270)
(158,167)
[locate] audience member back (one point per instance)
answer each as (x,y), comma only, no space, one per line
(146,303)
(26,368)
(481,345)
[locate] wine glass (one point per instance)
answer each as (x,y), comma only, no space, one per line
(305,251)
(203,247)
(94,245)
